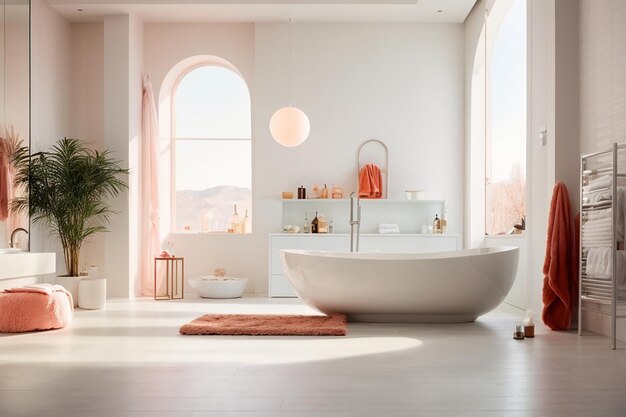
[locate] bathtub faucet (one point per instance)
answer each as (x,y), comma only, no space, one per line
(354,246)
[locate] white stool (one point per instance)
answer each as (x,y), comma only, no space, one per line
(92,293)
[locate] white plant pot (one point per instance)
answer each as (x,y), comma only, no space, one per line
(213,287)
(71,284)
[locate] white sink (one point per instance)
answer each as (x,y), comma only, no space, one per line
(26,264)
(10,250)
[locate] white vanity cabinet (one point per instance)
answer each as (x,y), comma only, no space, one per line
(279,285)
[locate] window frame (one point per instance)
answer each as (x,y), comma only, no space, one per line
(174,138)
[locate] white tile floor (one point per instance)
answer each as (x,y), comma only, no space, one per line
(129,360)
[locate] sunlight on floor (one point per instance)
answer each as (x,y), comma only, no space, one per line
(145,331)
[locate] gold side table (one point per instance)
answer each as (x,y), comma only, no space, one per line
(174,278)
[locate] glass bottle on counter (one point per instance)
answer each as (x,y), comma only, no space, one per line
(315,224)
(437,225)
(331,227)
(245,223)
(235,221)
(305,229)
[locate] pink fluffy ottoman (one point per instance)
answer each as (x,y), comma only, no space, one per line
(35,307)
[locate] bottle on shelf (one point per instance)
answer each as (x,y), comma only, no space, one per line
(425,227)
(93,271)
(444,222)
(324,192)
(322,226)
(301,192)
(235,221)
(315,224)
(305,229)
(331,227)
(437,225)
(245,223)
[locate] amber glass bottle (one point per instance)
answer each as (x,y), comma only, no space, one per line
(315,224)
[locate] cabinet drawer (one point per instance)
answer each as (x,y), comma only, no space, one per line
(281,287)
(306,242)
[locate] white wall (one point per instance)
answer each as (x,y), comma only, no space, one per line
(475,97)
(401,83)
(87,69)
(165,45)
(602,94)
(541,157)
(123,53)
(51,84)
(14,87)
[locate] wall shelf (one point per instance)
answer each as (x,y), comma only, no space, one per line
(363,201)
(409,215)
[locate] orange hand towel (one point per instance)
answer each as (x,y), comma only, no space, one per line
(370,182)
(558,270)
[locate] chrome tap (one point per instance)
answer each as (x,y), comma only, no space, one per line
(19,229)
(353,222)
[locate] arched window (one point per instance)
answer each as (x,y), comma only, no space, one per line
(506,95)
(211,138)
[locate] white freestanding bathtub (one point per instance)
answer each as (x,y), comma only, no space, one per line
(447,287)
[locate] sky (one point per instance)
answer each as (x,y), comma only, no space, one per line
(508,94)
(212,102)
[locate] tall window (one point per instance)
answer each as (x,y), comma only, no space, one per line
(212,149)
(505,171)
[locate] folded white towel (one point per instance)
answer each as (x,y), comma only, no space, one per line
(388,226)
(597,239)
(598,262)
(598,183)
(600,197)
(599,221)
(600,265)
(388,231)
(597,232)
(597,226)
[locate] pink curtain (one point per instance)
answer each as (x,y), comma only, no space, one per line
(150,235)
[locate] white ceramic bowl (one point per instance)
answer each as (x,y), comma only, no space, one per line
(213,287)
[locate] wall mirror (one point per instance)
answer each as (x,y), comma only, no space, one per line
(14,112)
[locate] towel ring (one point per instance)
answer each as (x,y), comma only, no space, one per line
(384,171)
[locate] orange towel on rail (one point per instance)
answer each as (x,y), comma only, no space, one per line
(558,268)
(370,182)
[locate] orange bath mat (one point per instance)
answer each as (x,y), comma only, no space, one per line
(267,325)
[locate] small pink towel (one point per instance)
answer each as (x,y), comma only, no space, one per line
(47,289)
(370,182)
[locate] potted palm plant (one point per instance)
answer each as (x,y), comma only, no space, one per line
(69,188)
